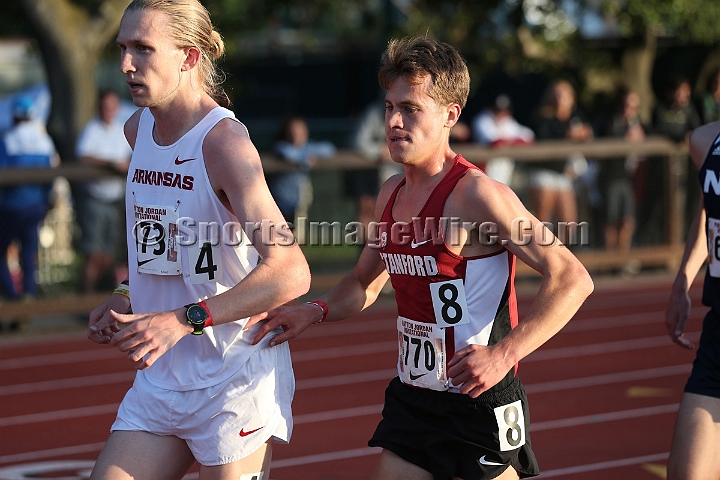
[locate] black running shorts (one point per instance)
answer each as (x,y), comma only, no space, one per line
(450,434)
(705,376)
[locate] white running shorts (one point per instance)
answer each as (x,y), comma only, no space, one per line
(223,423)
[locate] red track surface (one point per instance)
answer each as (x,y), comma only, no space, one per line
(603,393)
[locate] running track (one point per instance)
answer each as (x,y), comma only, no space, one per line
(603,393)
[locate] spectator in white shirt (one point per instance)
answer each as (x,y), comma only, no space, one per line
(496,127)
(101,203)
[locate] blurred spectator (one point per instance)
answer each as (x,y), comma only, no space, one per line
(616,178)
(292,189)
(551,182)
(676,117)
(101,207)
(368,139)
(496,127)
(22,207)
(460,133)
(710,100)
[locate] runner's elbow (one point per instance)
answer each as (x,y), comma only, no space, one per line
(582,281)
(298,279)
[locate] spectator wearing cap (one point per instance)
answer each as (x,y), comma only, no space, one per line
(22,207)
(496,127)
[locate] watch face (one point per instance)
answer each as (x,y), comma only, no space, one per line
(196,314)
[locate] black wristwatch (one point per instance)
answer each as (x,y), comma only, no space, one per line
(198,316)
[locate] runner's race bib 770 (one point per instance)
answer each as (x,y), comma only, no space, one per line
(421,354)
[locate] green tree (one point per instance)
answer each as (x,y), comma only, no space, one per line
(645,22)
(522,36)
(71,36)
(518,36)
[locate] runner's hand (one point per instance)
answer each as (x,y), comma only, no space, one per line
(116,303)
(676,316)
(293,321)
(475,369)
(146,336)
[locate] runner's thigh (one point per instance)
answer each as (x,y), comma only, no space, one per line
(142,456)
(696,443)
(392,467)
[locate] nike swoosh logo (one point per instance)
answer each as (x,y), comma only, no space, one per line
(415,245)
(415,377)
(245,434)
(143,262)
(483,461)
(180,162)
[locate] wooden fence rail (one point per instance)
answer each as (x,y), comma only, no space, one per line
(662,152)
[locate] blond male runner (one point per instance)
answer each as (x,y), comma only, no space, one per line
(696,443)
(203,393)
(457,408)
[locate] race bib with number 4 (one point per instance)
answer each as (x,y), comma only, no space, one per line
(205,262)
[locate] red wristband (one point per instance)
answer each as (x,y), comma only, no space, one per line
(209,321)
(323,306)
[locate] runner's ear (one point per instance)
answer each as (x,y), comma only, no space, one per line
(453,114)
(192,58)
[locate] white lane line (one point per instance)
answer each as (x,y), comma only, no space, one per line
(59,358)
(371,376)
(577,325)
(366,325)
(112,354)
(340,455)
(608,379)
(337,414)
(593,467)
(633,299)
(604,417)
(386,375)
(630,320)
(71,469)
(112,408)
(325,457)
(353,327)
(76,382)
(59,415)
(347,379)
(90,356)
(127,377)
(603,348)
(50,453)
(344,351)
(345,413)
(374,348)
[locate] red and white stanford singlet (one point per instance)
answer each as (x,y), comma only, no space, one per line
(445,301)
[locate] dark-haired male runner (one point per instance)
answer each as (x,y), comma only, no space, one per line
(457,408)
